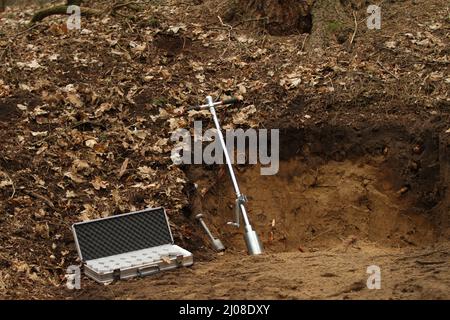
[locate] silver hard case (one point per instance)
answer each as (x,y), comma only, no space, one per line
(128,245)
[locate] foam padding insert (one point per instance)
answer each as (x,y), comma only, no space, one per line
(122,233)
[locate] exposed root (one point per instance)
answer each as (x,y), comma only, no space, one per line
(86,12)
(62,10)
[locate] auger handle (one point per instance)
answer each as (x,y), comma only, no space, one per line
(232,100)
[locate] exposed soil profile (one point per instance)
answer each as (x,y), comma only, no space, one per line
(384,187)
(321,207)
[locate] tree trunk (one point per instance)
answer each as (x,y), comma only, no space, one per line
(2,5)
(278,17)
(329,21)
(333,22)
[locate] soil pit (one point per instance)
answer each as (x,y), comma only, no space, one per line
(336,187)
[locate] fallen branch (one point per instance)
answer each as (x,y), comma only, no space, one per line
(62,10)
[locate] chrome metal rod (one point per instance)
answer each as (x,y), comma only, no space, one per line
(254,246)
(205,227)
(227,158)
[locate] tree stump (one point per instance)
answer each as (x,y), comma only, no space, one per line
(276,16)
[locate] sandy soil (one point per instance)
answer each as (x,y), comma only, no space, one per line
(328,274)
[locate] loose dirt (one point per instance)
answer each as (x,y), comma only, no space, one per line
(330,274)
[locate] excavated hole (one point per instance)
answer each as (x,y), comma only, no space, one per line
(335,186)
(172,44)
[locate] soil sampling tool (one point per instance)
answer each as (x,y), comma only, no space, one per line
(254,246)
(128,245)
(216,243)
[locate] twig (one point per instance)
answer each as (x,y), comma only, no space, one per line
(230,28)
(303,43)
(331,80)
(356,28)
(39,196)
(379,63)
(225,25)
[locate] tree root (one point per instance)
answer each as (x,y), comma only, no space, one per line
(62,10)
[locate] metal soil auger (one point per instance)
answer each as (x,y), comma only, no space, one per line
(254,246)
(217,244)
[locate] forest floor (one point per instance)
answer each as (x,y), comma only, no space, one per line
(85,123)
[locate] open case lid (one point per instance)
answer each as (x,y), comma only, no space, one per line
(122,233)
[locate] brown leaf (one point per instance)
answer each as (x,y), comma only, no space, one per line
(98,183)
(74,99)
(123,168)
(74,177)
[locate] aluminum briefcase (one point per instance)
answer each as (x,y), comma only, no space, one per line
(128,245)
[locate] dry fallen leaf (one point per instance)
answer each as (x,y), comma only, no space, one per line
(70,194)
(291,81)
(123,168)
(22,107)
(90,143)
(88,213)
(98,183)
(74,177)
(146,172)
(74,99)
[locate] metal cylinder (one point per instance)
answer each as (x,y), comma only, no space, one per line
(254,246)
